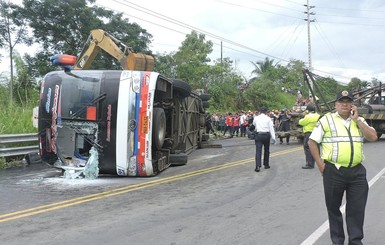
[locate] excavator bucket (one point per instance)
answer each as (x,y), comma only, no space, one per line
(138,62)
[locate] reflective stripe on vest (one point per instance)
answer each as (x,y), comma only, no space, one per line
(340,144)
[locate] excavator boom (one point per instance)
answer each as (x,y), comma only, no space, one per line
(102,40)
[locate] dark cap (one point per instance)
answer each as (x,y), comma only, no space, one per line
(344,94)
(263,109)
(310,108)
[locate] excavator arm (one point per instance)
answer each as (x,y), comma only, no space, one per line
(102,40)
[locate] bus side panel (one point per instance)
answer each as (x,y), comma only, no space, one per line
(145,121)
(49,113)
(143,124)
(107,130)
(151,80)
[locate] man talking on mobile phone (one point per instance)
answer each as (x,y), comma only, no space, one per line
(340,137)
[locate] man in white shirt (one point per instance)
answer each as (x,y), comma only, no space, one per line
(242,124)
(264,131)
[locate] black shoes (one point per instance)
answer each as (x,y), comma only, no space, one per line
(257,169)
(307,167)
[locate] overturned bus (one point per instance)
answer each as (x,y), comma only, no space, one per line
(131,123)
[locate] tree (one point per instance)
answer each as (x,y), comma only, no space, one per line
(261,67)
(356,84)
(25,86)
(225,86)
(192,59)
(375,82)
(13,31)
(165,64)
(62,26)
(293,76)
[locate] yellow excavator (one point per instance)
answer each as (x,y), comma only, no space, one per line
(102,40)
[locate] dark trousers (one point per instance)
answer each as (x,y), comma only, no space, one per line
(285,128)
(236,130)
(308,155)
(243,130)
(230,129)
(353,182)
(262,140)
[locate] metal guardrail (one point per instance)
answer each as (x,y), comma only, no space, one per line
(9,139)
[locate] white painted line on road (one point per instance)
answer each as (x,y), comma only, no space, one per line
(325,226)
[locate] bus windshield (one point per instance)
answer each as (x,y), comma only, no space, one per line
(83,91)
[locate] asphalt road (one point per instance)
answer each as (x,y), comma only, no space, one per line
(216,198)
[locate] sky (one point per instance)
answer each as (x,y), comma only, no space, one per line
(346,36)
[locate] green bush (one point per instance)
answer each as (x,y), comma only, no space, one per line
(16,120)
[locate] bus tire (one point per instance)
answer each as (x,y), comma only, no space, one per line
(158,128)
(181,88)
(179,159)
(205,97)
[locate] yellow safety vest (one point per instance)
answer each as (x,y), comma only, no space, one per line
(309,121)
(341,145)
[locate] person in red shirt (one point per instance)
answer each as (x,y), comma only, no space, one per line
(236,124)
(229,124)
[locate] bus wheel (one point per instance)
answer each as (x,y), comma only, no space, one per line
(205,97)
(181,87)
(158,128)
(178,159)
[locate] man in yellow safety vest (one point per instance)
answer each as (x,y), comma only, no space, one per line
(308,123)
(340,137)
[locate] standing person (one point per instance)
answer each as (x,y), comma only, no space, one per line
(216,120)
(276,119)
(222,123)
(284,119)
(308,123)
(340,136)
(209,125)
(229,124)
(243,123)
(236,124)
(264,129)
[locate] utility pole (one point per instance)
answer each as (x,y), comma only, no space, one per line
(308,14)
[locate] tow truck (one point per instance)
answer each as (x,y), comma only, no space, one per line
(370,103)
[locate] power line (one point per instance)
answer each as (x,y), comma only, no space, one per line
(358,10)
(176,22)
(328,43)
(148,11)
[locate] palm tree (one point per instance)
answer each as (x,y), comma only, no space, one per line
(263,66)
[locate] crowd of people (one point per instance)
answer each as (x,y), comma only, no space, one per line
(236,124)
